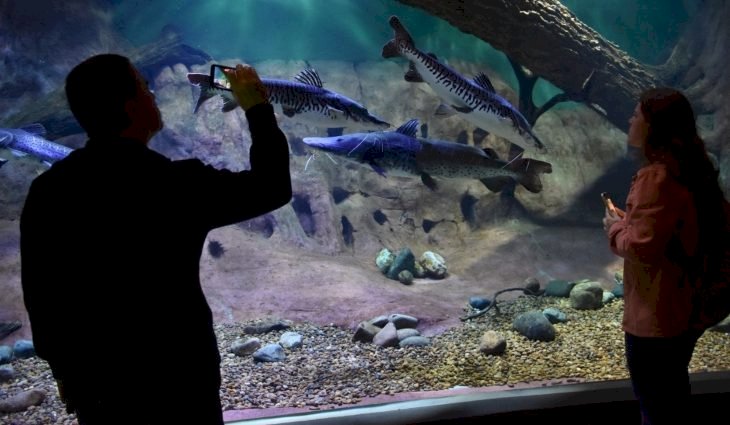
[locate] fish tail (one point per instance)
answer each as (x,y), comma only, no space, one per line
(528,171)
(202,81)
(390,49)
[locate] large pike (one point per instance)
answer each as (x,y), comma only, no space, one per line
(304,100)
(400,152)
(29,140)
(475,100)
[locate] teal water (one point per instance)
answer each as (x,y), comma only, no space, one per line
(355,30)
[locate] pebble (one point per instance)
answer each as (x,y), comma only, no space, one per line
(330,371)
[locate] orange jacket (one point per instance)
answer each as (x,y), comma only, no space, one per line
(659,213)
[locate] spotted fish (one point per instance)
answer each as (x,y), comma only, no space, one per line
(29,140)
(401,152)
(475,100)
(304,100)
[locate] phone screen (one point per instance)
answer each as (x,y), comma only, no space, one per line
(218,79)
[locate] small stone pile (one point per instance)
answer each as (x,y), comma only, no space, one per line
(404,267)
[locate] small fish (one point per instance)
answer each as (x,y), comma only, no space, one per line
(475,100)
(304,100)
(400,152)
(29,140)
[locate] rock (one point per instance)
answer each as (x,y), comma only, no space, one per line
(23,349)
(405,277)
(492,343)
(270,353)
(384,260)
(7,373)
(379,321)
(559,288)
(534,326)
(554,315)
(407,333)
(366,331)
(290,340)
(532,285)
(403,321)
(22,401)
(245,348)
(586,296)
(433,264)
(415,341)
(6,354)
(608,296)
(387,337)
(405,260)
(480,303)
(618,290)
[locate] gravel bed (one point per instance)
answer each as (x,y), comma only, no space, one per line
(330,371)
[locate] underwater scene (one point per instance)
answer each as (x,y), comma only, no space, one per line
(447,159)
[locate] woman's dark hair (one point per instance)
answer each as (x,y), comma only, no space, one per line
(97,90)
(672,130)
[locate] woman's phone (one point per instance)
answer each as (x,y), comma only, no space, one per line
(608,203)
(218,78)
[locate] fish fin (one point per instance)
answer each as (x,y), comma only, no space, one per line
(378,169)
(483,81)
(229,105)
(202,82)
(496,184)
(444,110)
(424,131)
(491,153)
(390,50)
(401,33)
(335,131)
(334,113)
(288,111)
(427,180)
(529,171)
(433,55)
(409,128)
(35,128)
(18,153)
(412,75)
(310,77)
(462,109)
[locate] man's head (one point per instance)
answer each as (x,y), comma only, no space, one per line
(109,97)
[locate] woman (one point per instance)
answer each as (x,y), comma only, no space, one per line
(663,241)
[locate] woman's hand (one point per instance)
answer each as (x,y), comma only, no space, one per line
(247,87)
(611,217)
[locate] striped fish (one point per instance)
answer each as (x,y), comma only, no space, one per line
(475,100)
(401,153)
(304,100)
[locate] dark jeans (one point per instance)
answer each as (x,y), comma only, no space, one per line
(659,376)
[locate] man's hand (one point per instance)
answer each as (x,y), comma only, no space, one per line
(246,86)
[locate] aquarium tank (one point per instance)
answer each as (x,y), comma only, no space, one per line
(433,245)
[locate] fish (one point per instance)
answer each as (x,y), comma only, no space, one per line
(30,140)
(304,100)
(402,153)
(475,100)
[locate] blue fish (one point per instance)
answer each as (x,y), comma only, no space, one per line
(29,140)
(402,153)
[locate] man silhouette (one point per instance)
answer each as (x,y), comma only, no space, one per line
(111,238)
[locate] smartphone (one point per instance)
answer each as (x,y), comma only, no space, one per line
(218,79)
(608,203)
